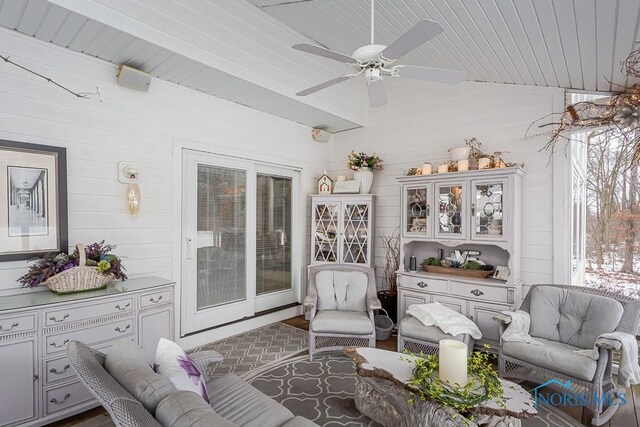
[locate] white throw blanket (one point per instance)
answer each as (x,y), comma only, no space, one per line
(628,370)
(449,321)
(518,329)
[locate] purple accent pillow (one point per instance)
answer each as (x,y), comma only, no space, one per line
(175,364)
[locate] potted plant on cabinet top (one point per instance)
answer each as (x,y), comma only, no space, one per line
(364,165)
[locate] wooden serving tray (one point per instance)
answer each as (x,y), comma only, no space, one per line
(461,272)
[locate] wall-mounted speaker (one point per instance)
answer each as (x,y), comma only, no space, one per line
(133,78)
(320,135)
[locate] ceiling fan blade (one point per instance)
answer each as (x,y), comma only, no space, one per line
(377,93)
(438,75)
(421,32)
(320,51)
(324,85)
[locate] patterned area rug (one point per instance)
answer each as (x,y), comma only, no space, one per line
(322,391)
(254,349)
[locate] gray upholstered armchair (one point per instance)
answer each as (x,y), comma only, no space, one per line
(341,300)
(565,319)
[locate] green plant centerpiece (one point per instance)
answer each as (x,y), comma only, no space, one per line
(484,384)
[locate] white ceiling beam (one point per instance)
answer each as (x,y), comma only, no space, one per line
(254,47)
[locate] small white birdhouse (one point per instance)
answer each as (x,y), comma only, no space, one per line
(325,184)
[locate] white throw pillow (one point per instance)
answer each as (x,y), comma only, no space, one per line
(173,363)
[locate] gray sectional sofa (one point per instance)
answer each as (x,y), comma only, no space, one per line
(134,395)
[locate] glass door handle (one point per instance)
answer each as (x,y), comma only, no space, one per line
(473,210)
(189,248)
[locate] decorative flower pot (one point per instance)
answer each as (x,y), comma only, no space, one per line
(365,176)
(459,153)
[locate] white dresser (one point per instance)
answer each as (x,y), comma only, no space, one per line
(38,384)
(465,211)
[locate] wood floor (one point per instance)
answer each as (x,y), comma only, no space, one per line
(627,416)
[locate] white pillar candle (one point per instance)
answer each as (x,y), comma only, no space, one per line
(453,362)
(341,178)
(426,169)
(443,168)
(463,165)
(483,163)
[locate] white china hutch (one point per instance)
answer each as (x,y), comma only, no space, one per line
(342,229)
(464,211)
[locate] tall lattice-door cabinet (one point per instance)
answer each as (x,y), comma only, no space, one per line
(342,229)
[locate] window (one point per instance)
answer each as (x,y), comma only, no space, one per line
(605,211)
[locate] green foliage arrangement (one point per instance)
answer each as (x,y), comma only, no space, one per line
(472,265)
(433,261)
(483,386)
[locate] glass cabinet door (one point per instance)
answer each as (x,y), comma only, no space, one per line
(416,211)
(487,209)
(356,234)
(450,210)
(326,227)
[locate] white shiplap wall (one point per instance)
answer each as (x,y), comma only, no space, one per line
(130,126)
(422,120)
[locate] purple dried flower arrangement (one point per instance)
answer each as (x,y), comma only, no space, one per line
(98,255)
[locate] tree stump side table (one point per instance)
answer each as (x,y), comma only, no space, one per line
(383,394)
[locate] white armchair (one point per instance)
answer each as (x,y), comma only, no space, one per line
(341,300)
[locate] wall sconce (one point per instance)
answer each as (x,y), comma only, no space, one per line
(129,173)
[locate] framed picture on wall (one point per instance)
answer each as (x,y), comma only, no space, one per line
(33,200)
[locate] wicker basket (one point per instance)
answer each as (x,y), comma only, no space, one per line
(384,325)
(78,279)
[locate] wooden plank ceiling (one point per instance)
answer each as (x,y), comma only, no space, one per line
(573,44)
(52,23)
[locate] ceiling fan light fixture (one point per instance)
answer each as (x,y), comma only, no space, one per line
(372,75)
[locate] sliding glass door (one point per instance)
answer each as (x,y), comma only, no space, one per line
(238,228)
(275,188)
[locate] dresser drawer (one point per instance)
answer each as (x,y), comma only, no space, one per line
(425,284)
(59,369)
(155,298)
(17,323)
(59,398)
(74,314)
(480,292)
(109,331)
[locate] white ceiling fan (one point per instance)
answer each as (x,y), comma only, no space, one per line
(376,61)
